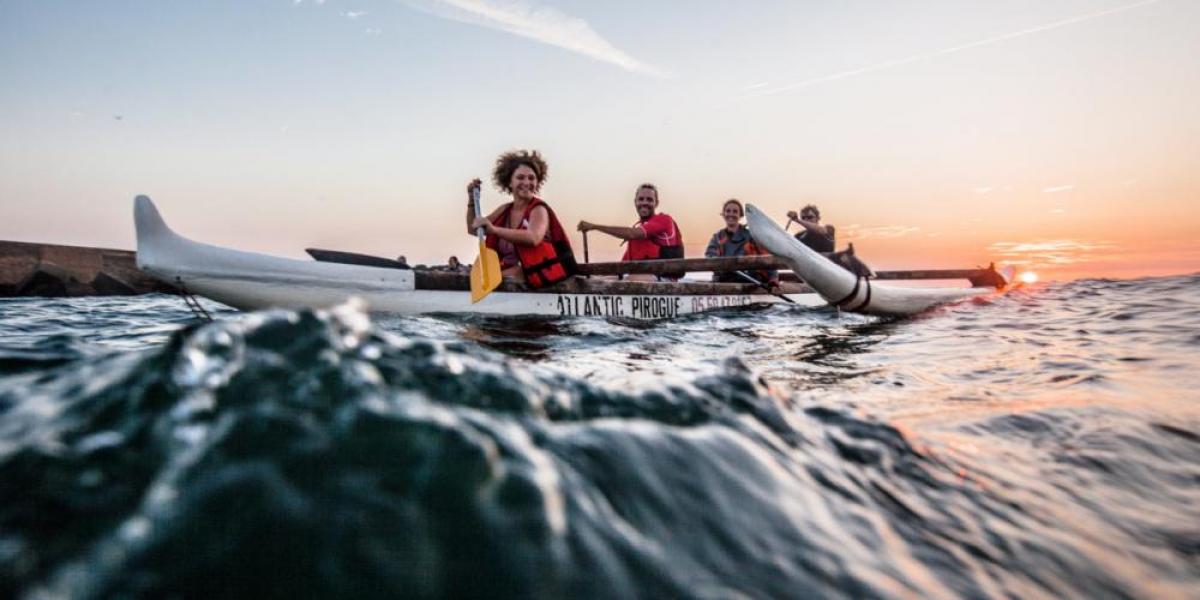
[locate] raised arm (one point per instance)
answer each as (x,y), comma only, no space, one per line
(475,183)
(625,233)
(815,228)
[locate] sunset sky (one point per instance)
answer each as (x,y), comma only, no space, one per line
(1058,135)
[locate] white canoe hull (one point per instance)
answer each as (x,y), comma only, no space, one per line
(251,281)
(841,287)
(256,295)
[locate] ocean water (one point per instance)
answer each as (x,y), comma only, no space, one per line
(1040,443)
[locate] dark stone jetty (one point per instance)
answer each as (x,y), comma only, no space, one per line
(48,270)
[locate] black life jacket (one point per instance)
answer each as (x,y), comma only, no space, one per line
(820,243)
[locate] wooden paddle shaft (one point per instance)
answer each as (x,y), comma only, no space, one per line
(764,286)
(480,232)
(977,277)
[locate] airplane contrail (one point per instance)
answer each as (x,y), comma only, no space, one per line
(919,57)
(539,23)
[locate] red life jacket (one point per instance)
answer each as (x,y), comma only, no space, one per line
(658,247)
(547,262)
(653,247)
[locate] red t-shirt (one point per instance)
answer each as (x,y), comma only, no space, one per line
(660,231)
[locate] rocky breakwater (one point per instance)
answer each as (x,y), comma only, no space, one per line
(49,270)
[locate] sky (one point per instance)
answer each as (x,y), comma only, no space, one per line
(1054,135)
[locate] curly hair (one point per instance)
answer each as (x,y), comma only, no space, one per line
(813,208)
(508,163)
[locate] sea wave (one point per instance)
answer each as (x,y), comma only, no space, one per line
(313,453)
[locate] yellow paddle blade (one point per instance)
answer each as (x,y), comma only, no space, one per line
(485,273)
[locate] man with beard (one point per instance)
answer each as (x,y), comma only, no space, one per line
(655,236)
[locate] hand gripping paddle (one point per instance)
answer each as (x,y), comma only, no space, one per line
(485,273)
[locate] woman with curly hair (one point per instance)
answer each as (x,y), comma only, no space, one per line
(525,232)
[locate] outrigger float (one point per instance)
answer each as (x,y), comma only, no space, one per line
(251,281)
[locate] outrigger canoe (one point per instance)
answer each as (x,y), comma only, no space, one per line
(251,281)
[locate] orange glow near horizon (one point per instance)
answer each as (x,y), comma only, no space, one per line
(1048,137)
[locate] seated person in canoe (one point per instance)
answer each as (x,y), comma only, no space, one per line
(822,239)
(525,232)
(812,233)
(453,266)
(734,240)
(655,236)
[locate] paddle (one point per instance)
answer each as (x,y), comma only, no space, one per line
(586,259)
(764,286)
(485,272)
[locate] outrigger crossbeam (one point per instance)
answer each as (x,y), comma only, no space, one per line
(979,277)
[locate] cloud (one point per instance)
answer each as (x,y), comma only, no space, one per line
(888,231)
(1049,246)
(951,50)
(538,23)
(1050,252)
(1058,211)
(1059,188)
(983,190)
(352,14)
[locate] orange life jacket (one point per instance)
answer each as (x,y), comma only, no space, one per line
(751,249)
(547,262)
(748,249)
